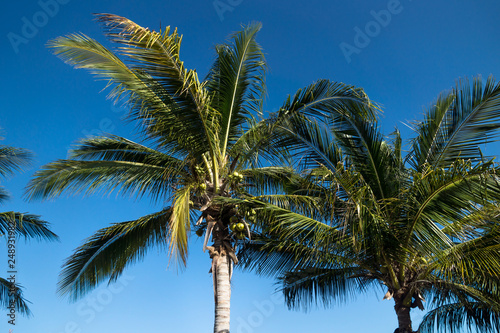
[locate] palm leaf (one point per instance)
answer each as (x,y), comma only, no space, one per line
(459,122)
(122,165)
(105,255)
(12,159)
(236,82)
(455,317)
(11,294)
(26,225)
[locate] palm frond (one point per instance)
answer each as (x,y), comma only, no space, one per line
(180,225)
(458,124)
(11,296)
(236,83)
(310,286)
(26,225)
(455,317)
(135,172)
(441,196)
(189,121)
(105,255)
(4,195)
(12,159)
(325,98)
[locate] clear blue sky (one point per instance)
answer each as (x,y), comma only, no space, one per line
(404,61)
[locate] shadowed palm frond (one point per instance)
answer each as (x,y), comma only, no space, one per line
(308,287)
(26,225)
(12,159)
(110,250)
(455,317)
(458,124)
(11,294)
(4,195)
(325,98)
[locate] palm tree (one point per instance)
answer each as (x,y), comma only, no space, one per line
(14,224)
(424,226)
(203,146)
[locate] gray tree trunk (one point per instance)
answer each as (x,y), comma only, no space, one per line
(222,293)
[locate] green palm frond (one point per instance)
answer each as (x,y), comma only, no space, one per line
(180,225)
(458,124)
(455,317)
(258,143)
(325,98)
(441,196)
(26,225)
(236,83)
(12,159)
(128,177)
(362,143)
(272,179)
(311,143)
(169,116)
(156,54)
(310,286)
(11,294)
(110,250)
(271,255)
(4,195)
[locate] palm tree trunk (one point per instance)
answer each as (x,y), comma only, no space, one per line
(222,286)
(404,319)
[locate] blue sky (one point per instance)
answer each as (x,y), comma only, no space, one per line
(403,53)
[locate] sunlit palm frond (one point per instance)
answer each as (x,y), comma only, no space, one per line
(134,174)
(236,83)
(310,143)
(4,195)
(156,54)
(272,179)
(180,225)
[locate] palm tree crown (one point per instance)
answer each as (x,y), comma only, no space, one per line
(204,146)
(422,226)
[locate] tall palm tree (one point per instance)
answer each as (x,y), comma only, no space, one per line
(13,225)
(424,226)
(204,145)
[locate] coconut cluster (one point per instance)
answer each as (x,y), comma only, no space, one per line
(239,226)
